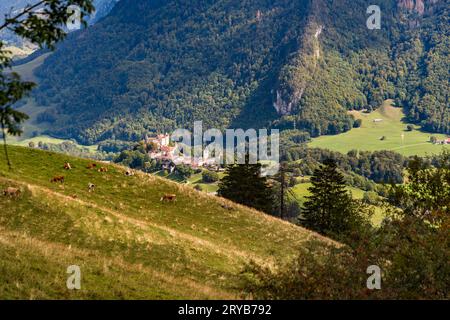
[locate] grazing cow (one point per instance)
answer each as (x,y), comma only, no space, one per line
(226,207)
(91,187)
(91,166)
(169,198)
(57,179)
(11,192)
(129,173)
(67,166)
(103,169)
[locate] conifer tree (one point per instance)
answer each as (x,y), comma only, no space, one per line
(330,209)
(244,184)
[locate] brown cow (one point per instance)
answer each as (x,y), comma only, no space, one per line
(57,179)
(12,192)
(91,166)
(103,169)
(67,166)
(169,198)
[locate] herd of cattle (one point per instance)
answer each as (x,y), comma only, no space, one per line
(16,192)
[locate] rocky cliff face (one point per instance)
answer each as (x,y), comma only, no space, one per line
(288,95)
(285,102)
(406,4)
(418,6)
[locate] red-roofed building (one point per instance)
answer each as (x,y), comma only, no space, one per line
(445,141)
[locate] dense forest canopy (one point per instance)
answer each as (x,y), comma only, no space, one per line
(159,65)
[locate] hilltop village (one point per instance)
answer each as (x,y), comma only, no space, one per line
(170,154)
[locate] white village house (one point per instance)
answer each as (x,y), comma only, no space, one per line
(170,153)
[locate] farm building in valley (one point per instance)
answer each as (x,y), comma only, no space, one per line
(444,142)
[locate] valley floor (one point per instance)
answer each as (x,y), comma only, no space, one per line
(388,122)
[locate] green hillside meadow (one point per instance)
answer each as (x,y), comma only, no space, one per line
(392,126)
(127,243)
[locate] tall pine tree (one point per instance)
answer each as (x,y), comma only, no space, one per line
(244,184)
(330,210)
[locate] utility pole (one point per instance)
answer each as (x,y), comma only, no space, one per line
(4,144)
(285,190)
(282,190)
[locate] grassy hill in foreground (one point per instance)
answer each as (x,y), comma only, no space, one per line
(368,136)
(127,243)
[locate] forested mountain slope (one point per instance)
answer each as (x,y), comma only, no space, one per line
(158,65)
(423,62)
